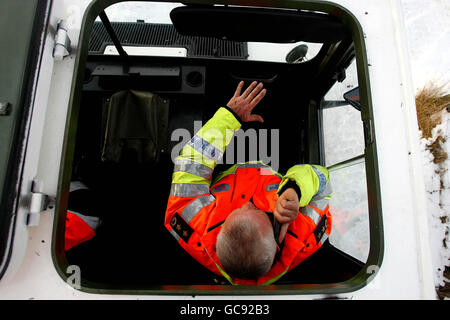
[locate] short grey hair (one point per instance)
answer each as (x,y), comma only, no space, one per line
(243,251)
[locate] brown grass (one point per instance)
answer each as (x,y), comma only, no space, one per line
(430,101)
(439,155)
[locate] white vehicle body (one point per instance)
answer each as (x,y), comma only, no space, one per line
(406,271)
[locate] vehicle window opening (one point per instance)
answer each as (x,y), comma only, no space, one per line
(185,72)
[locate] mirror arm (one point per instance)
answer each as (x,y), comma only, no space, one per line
(114,39)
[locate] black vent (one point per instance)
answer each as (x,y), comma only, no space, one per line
(164,35)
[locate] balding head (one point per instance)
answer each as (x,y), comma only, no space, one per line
(246,245)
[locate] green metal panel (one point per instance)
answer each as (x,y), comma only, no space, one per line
(21,25)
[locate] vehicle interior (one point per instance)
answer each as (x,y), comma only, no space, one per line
(132,248)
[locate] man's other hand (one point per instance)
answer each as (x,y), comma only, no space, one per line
(286,208)
(243,104)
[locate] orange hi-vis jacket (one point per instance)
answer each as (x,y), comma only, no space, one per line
(197,206)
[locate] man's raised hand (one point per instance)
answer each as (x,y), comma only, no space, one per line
(243,104)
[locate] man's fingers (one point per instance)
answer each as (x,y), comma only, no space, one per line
(249,89)
(283,219)
(290,194)
(254,92)
(258,98)
(280,217)
(244,103)
(289,205)
(237,93)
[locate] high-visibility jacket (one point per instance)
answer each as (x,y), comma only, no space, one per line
(197,206)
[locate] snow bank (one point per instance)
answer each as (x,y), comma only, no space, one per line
(437,186)
(428,34)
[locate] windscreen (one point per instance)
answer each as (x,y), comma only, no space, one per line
(146,29)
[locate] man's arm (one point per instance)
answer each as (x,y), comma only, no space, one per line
(198,158)
(194,166)
(300,185)
(311,181)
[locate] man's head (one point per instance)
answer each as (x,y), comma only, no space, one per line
(246,245)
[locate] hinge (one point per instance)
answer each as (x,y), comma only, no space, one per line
(39,202)
(62,41)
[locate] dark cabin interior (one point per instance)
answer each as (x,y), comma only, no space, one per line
(132,248)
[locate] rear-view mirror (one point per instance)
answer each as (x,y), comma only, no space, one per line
(352,97)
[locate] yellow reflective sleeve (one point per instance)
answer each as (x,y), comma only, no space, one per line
(189,153)
(219,130)
(185,177)
(205,149)
(311,179)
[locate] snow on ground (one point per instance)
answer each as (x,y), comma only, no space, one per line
(437,186)
(428,37)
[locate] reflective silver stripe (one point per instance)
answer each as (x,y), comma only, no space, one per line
(192,167)
(320,203)
(188,189)
(252,165)
(310,212)
(195,206)
(172,232)
(322,179)
(324,238)
(325,193)
(205,148)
